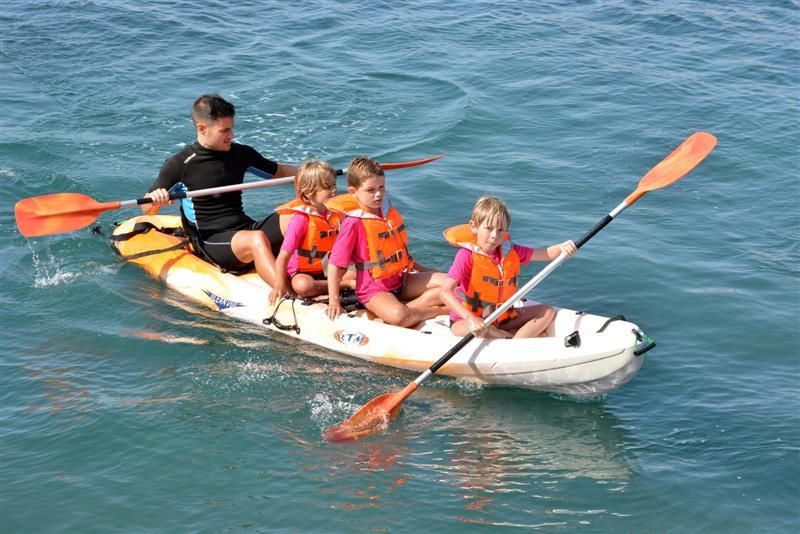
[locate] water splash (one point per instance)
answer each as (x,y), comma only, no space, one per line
(326,411)
(48,272)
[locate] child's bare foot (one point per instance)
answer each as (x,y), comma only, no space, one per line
(495,333)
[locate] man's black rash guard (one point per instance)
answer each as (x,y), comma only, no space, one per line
(201,168)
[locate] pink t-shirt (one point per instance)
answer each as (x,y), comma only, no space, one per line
(294,238)
(461,269)
(351,247)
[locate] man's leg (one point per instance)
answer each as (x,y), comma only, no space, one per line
(253,246)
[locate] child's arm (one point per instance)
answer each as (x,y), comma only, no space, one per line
(448,296)
(342,254)
(279,291)
(334,276)
(293,239)
(554,251)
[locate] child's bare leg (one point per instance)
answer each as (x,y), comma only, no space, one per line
(418,283)
(421,291)
(348,280)
(429,304)
(461,328)
(386,306)
(499,333)
(307,287)
(531,321)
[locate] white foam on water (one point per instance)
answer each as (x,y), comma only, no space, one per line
(48,272)
(324,410)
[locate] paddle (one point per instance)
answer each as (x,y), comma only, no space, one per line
(374,416)
(64,212)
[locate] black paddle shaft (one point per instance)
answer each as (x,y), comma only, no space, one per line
(469,337)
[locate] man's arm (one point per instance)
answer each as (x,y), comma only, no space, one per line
(159,191)
(284,170)
(266,168)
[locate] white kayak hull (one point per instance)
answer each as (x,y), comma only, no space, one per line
(601,362)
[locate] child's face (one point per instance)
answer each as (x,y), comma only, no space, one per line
(490,233)
(317,200)
(370,194)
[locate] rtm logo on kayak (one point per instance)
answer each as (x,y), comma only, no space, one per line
(222,303)
(354,339)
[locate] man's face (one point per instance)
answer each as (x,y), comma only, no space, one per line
(217,135)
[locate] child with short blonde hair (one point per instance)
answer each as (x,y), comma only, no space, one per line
(373,238)
(485,272)
(309,236)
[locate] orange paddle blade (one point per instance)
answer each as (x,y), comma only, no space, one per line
(372,418)
(675,166)
(406,164)
(57,213)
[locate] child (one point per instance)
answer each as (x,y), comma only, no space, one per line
(485,271)
(309,235)
(373,238)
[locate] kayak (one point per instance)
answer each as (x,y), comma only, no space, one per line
(583,355)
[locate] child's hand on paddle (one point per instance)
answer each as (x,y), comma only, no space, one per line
(568,248)
(476,326)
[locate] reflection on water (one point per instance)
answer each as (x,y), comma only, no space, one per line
(486,447)
(60,391)
(503,456)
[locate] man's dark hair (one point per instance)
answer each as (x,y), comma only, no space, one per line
(211,108)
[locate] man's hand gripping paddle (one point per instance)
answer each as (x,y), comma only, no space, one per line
(58,213)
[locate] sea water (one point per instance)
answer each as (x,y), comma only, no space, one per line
(127,408)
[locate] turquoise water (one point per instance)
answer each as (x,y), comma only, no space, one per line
(126,408)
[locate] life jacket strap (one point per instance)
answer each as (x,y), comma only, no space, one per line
(394,231)
(380,262)
(475,302)
(310,254)
(497,282)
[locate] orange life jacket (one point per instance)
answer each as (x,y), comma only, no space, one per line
(490,283)
(322,231)
(387,241)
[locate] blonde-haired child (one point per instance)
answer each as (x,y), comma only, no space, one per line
(309,236)
(485,272)
(373,238)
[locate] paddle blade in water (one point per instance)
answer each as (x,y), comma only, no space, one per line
(57,213)
(406,164)
(372,418)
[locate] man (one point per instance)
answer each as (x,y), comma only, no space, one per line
(219,229)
